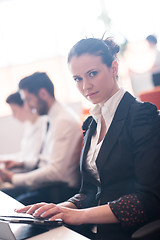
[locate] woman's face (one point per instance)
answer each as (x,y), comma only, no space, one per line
(94,79)
(18,112)
(22,113)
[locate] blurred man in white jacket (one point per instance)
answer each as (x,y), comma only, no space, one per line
(56,174)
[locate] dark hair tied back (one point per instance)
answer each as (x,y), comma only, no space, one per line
(106,49)
(113,47)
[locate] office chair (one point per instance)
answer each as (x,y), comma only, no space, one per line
(152,96)
(150,231)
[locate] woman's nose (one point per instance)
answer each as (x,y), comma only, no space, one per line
(86,84)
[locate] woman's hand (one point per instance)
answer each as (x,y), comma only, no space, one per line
(52,212)
(94,215)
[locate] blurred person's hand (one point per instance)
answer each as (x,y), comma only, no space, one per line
(9,164)
(6,176)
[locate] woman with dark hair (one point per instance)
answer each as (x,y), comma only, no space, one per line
(121,151)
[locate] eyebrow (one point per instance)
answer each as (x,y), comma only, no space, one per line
(76,76)
(90,70)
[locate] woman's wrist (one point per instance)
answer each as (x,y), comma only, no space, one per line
(98,215)
(67,204)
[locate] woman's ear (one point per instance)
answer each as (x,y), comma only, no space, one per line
(114,68)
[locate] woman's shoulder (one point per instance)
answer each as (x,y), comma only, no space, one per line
(144,114)
(143,109)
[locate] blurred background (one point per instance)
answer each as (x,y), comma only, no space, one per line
(36,35)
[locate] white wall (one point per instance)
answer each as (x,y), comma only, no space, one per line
(11,131)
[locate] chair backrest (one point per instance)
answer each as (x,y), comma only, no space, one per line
(156,79)
(150,231)
(152,96)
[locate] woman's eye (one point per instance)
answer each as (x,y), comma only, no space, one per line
(92,74)
(77,79)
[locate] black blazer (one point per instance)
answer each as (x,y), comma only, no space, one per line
(128,161)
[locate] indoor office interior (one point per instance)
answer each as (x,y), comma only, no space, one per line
(40,40)
(36,36)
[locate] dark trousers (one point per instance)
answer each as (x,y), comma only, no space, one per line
(56,193)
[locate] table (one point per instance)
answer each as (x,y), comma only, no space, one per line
(59,233)
(7,206)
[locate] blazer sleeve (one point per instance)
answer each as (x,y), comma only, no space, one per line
(144,204)
(88,194)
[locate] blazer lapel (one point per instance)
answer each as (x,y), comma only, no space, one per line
(115,129)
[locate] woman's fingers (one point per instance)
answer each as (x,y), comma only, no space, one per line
(47,211)
(44,210)
(22,210)
(57,216)
(35,207)
(52,212)
(29,209)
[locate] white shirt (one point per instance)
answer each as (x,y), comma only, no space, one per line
(60,156)
(107,111)
(30,143)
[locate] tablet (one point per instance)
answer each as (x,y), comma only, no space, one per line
(33,221)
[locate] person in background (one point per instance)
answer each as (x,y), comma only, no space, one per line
(120,159)
(152,41)
(34,128)
(56,174)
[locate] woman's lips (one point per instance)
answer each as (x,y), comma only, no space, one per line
(90,95)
